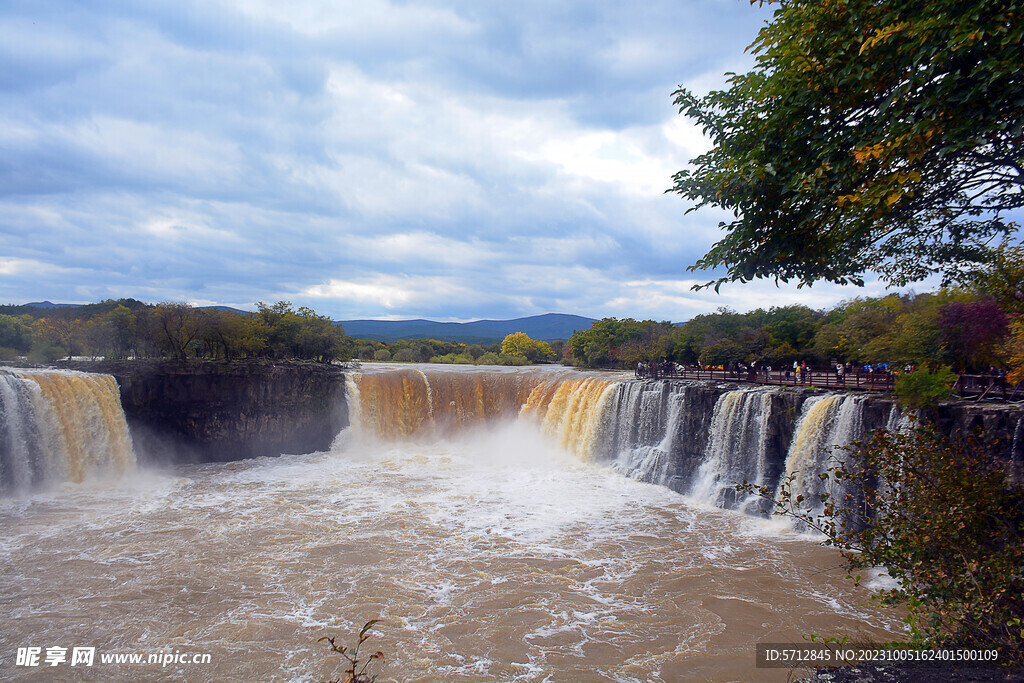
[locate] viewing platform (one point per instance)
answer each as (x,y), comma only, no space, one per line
(967,387)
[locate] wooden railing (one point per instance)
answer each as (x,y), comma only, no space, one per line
(980,387)
(870,381)
(976,387)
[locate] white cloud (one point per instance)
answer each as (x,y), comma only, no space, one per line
(356,17)
(391,291)
(146,149)
(441,157)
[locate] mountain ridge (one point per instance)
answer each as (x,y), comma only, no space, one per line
(546,327)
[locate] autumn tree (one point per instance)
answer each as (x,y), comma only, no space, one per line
(870,136)
(61,329)
(943,517)
(973,331)
(521,344)
(1003,281)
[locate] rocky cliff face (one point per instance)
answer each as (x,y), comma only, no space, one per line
(699,438)
(217,412)
(1002,424)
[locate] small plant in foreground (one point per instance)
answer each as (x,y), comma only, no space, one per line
(944,520)
(357,668)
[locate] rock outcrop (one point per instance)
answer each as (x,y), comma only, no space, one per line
(218,412)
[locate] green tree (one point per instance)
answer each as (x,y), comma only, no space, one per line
(923,389)
(723,352)
(320,339)
(229,335)
(870,136)
(945,521)
(178,325)
(15,333)
(599,345)
(123,328)
(281,326)
(405,355)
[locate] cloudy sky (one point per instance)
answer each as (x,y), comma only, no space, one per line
(446,159)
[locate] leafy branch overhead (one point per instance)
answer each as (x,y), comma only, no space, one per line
(871,136)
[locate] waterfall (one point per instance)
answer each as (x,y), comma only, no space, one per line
(649,432)
(429,403)
(826,423)
(410,403)
(60,426)
(1017,449)
(900,421)
(736,449)
(696,439)
(573,413)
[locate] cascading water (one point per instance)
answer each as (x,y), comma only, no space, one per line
(737,449)
(1017,450)
(60,426)
(650,431)
(638,438)
(572,413)
(826,424)
(400,404)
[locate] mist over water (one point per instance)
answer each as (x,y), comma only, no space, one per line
(491,551)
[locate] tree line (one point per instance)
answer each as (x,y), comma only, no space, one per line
(973,328)
(128,328)
(517,348)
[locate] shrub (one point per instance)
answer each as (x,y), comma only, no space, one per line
(356,673)
(944,520)
(924,388)
(491,358)
(382,355)
(46,353)
(453,358)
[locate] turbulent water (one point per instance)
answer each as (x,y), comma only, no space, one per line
(60,426)
(463,510)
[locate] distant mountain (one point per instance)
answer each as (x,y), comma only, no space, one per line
(222,308)
(50,304)
(547,327)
